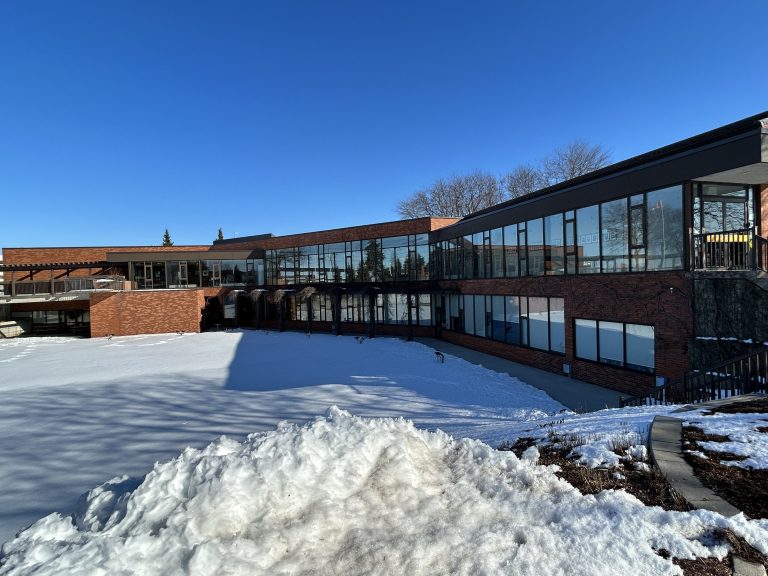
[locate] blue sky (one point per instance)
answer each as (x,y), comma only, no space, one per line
(120,119)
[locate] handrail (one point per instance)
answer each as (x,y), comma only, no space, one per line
(726,250)
(741,375)
(62,285)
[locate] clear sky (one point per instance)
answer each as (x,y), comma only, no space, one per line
(119,119)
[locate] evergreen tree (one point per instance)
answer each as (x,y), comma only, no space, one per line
(167,238)
(221,234)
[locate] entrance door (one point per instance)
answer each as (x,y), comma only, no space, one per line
(723,223)
(216,273)
(148,282)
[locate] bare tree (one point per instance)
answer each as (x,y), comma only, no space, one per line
(576,159)
(523,180)
(456,196)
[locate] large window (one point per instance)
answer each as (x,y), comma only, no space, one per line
(532,321)
(665,228)
(615,343)
(588,239)
(613,230)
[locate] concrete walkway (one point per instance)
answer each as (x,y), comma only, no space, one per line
(665,442)
(575,394)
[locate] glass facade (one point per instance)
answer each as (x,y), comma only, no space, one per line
(638,233)
(536,322)
(390,259)
(195,273)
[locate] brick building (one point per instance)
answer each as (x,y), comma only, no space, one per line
(629,276)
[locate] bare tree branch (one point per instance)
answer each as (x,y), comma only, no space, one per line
(456,196)
(576,159)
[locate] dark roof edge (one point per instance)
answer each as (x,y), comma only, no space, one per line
(732,129)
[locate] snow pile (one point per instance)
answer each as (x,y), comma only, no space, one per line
(741,429)
(347,495)
(75,412)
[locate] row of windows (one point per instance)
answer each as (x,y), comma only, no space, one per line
(388,308)
(616,343)
(637,233)
(194,273)
(396,258)
(538,322)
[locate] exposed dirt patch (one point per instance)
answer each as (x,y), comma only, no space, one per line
(759,406)
(651,488)
(745,489)
(763,429)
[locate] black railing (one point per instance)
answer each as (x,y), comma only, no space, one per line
(728,250)
(742,375)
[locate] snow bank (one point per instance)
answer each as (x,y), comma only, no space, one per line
(347,495)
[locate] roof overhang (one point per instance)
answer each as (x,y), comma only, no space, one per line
(31,267)
(115,257)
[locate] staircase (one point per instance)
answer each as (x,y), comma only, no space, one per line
(744,374)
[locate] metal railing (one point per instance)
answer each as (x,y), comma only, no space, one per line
(741,375)
(728,250)
(62,285)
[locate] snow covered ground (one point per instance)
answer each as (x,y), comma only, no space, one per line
(75,412)
(346,495)
(742,430)
(348,490)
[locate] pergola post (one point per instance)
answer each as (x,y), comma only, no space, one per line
(371,315)
(410,317)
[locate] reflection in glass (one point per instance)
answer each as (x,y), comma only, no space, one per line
(553,242)
(588,240)
(665,229)
(557,325)
(538,322)
(613,220)
(611,338)
(586,339)
(535,229)
(640,347)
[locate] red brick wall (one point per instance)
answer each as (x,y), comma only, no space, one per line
(633,298)
(396,228)
(763,191)
(88,254)
(145,312)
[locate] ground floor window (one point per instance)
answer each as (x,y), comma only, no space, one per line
(532,321)
(616,343)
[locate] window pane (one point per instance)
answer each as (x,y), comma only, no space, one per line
(498,319)
(513,320)
(510,249)
(456,318)
(479,315)
(497,253)
(586,339)
(535,230)
(613,220)
(611,336)
(588,240)
(553,242)
(665,229)
(557,325)
(524,320)
(425,309)
(469,314)
(538,320)
(478,268)
(640,347)
(469,257)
